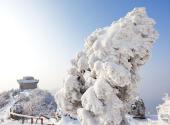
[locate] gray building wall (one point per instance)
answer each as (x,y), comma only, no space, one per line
(24,86)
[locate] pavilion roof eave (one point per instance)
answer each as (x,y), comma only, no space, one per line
(27,81)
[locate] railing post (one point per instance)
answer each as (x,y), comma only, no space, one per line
(32,121)
(41,121)
(22,120)
(36,121)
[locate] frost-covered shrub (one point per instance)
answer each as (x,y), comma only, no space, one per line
(101,85)
(4,99)
(35,102)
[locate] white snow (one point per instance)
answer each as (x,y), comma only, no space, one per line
(90,120)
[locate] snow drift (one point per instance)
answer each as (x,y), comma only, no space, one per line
(101,85)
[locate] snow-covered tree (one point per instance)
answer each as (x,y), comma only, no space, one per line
(164,110)
(101,85)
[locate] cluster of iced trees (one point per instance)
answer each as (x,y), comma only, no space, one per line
(4,99)
(101,84)
(35,103)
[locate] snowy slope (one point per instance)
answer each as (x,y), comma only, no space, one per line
(29,102)
(68,121)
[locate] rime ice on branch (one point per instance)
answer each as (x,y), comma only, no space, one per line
(163,110)
(101,85)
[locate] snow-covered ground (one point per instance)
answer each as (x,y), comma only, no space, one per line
(4,119)
(68,121)
(65,120)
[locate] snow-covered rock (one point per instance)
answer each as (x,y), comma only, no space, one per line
(138,109)
(101,85)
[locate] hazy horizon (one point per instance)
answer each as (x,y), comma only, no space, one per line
(39,38)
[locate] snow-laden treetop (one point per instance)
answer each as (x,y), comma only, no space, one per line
(101,85)
(131,36)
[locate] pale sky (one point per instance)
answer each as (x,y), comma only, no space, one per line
(39,37)
(33,43)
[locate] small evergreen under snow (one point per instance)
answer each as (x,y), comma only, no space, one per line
(101,84)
